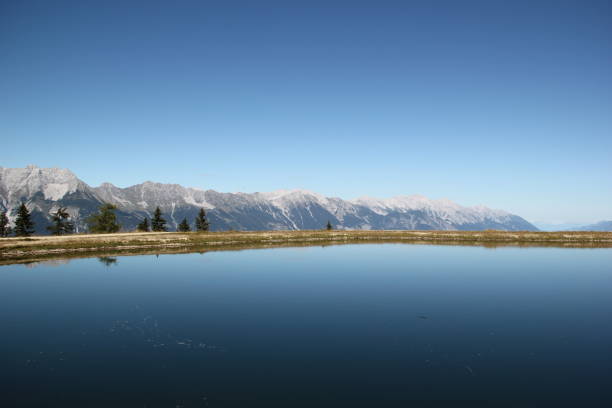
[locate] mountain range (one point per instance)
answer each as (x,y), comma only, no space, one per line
(45,189)
(600,226)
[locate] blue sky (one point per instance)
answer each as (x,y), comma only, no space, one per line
(506,104)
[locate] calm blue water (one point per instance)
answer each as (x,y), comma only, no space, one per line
(358,325)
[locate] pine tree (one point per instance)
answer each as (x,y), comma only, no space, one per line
(201,223)
(5,229)
(184,226)
(329,226)
(158,223)
(105,221)
(23,223)
(60,225)
(144,225)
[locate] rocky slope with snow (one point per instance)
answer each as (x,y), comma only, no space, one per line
(45,189)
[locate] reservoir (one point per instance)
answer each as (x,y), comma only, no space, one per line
(369,325)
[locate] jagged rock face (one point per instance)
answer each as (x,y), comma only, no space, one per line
(43,190)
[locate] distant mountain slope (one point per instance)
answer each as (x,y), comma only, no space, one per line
(44,190)
(544,226)
(600,226)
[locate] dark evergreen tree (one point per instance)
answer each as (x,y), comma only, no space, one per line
(158,223)
(201,223)
(105,221)
(329,226)
(23,223)
(144,225)
(184,226)
(60,224)
(5,229)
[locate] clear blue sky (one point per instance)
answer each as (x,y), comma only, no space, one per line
(502,103)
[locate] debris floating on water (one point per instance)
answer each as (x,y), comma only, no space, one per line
(148,328)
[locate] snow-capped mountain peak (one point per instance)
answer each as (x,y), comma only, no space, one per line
(292,194)
(53,183)
(46,189)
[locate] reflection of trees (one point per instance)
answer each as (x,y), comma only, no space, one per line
(108,260)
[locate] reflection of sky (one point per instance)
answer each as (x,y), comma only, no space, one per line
(354,321)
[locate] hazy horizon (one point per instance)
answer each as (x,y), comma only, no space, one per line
(483,103)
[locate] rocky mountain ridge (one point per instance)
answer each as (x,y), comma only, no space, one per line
(45,189)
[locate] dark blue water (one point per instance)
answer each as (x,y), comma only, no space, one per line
(358,325)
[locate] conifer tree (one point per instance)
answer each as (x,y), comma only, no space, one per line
(184,226)
(144,225)
(5,229)
(60,225)
(158,223)
(105,221)
(23,223)
(201,223)
(329,226)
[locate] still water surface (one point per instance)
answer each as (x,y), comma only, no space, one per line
(356,325)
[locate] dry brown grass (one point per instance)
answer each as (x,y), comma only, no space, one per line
(43,247)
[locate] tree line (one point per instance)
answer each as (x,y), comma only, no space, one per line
(24,226)
(102,222)
(158,223)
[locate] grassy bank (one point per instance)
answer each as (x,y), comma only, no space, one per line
(48,247)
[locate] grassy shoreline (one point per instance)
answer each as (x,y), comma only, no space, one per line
(17,250)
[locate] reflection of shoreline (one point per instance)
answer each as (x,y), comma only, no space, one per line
(50,262)
(60,257)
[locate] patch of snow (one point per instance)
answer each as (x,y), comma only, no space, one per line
(190,198)
(55,191)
